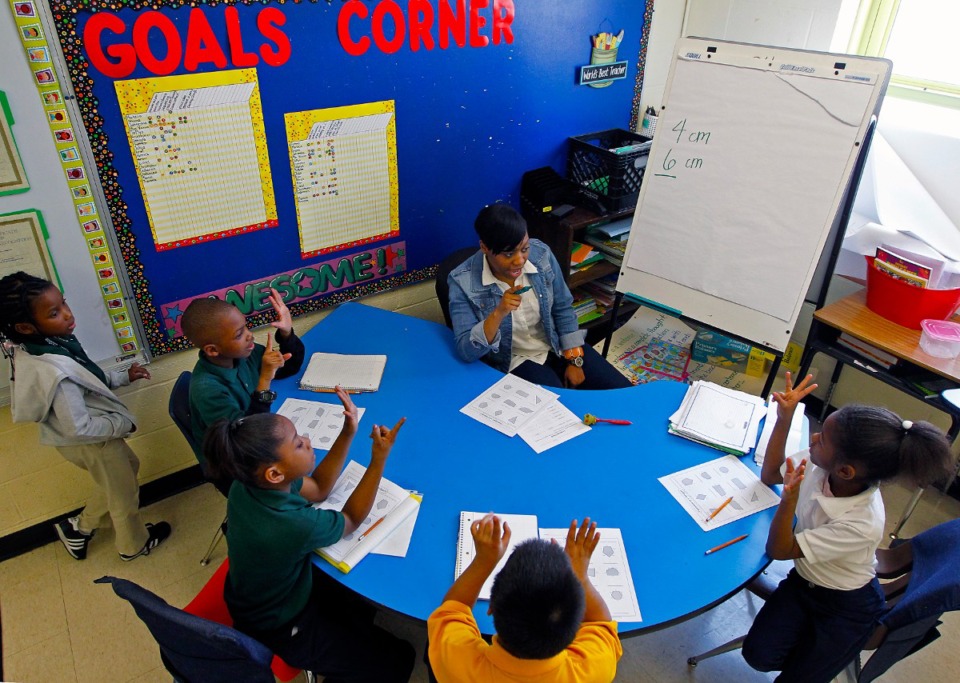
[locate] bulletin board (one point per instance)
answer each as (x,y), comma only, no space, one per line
(755,148)
(446,102)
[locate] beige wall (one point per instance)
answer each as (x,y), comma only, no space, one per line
(36,484)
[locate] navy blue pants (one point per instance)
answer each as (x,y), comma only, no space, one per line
(810,633)
(599,373)
(335,637)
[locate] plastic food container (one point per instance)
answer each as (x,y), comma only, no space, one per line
(940,338)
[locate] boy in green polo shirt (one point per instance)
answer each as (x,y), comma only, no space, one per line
(233,373)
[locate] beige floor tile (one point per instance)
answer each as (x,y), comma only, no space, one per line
(50,660)
(31,602)
(158,675)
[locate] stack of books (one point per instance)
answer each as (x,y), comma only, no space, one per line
(585,307)
(583,256)
(897,265)
(602,289)
(869,352)
(612,249)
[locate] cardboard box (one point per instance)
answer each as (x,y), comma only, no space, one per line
(724,352)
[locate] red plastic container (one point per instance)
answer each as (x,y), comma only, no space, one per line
(907,304)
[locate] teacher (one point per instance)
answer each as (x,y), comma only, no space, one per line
(510,307)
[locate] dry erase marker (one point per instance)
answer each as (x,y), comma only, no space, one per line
(724,545)
(719,508)
(523,289)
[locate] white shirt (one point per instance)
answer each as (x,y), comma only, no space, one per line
(529,337)
(839,536)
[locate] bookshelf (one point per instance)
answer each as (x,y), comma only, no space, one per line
(559,234)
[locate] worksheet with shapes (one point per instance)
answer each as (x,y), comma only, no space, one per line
(701,489)
(609,572)
(320,421)
(509,404)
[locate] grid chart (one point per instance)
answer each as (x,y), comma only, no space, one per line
(342,183)
(197,161)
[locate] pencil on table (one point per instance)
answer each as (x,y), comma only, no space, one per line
(724,545)
(719,508)
(370,528)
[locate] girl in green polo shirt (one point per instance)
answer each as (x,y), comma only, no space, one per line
(273,590)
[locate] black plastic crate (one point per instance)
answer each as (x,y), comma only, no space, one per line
(608,167)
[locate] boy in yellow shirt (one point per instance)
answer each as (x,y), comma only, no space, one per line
(552,624)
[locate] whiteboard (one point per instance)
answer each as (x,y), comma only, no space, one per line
(753,151)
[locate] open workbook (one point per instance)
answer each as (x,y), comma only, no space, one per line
(609,570)
(354,373)
(390,517)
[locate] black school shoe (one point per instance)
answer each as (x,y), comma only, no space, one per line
(159,532)
(74,540)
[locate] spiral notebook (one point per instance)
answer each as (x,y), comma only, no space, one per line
(355,373)
(522,527)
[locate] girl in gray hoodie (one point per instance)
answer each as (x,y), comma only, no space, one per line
(57,385)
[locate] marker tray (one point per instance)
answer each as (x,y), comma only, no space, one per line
(610,180)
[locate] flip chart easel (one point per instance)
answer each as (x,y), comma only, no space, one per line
(755,149)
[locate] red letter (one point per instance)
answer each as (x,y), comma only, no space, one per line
(351,47)
(477,22)
(141,43)
(269,22)
(399,26)
(502,18)
(420,14)
(124,53)
(235,39)
(202,45)
(452,24)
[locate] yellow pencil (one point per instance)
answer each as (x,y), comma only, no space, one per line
(719,508)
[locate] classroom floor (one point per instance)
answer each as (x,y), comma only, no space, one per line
(59,625)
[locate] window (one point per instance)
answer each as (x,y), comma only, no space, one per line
(918,37)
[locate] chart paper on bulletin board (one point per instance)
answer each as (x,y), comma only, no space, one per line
(200,151)
(344,166)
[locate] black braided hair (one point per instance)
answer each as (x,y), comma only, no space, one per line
(17,294)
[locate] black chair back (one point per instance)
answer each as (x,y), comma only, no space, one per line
(194,649)
(443,270)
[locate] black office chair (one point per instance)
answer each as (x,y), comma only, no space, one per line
(443,270)
(194,649)
(179,409)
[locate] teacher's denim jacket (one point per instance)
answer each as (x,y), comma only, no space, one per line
(471,302)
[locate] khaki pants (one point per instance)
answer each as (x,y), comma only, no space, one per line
(113,466)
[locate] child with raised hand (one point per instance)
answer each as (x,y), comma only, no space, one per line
(233,374)
(821,615)
(552,624)
(273,590)
(57,385)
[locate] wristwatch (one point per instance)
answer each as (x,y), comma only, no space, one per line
(266,396)
(575,357)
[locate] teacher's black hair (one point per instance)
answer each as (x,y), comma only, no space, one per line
(239,449)
(17,294)
(537,601)
(500,227)
(875,441)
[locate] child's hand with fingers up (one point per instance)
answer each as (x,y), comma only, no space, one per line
(792,478)
(284,321)
(581,542)
(351,416)
(383,439)
(788,399)
(490,539)
(272,360)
